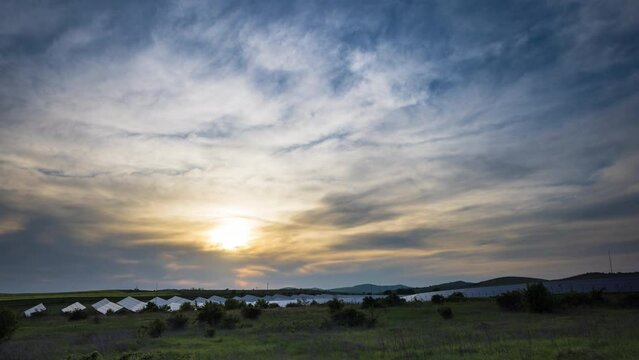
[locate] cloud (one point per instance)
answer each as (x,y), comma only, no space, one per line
(350,133)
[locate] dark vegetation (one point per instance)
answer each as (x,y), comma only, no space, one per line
(156,328)
(251,312)
(78,315)
(232,304)
(177,321)
(352,318)
(445,312)
(211,313)
(8,323)
(437,299)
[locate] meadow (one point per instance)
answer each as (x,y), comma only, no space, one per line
(479,329)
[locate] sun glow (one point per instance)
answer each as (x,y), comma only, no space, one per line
(232,234)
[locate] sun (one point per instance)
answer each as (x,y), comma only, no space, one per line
(231,234)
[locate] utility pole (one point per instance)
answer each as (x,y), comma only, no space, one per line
(610,261)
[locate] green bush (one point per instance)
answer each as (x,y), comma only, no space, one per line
(92,356)
(273,305)
(187,306)
(76,315)
(211,313)
(230,322)
(630,301)
(437,299)
(511,301)
(156,328)
(445,312)
(335,305)
(456,297)
(538,299)
(392,299)
(295,304)
(151,307)
(8,323)
(232,304)
(177,322)
(262,304)
(351,317)
(210,332)
(251,312)
(369,302)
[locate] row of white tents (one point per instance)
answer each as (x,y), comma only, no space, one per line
(175,303)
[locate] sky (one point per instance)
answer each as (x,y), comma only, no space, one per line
(235,144)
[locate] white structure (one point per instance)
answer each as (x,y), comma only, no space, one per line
(73,307)
(176,302)
(159,302)
(103,306)
(132,304)
(217,299)
(200,301)
(36,309)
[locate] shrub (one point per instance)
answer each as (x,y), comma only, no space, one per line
(456,297)
(78,315)
(273,305)
(292,305)
(630,301)
(262,304)
(335,305)
(230,322)
(511,301)
(437,299)
(351,317)
(369,302)
(151,307)
(210,332)
(156,328)
(177,322)
(8,323)
(232,304)
(251,312)
(393,300)
(575,299)
(187,306)
(445,312)
(96,319)
(211,313)
(92,356)
(313,303)
(538,299)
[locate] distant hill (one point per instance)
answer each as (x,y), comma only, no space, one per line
(454,285)
(368,288)
(507,280)
(600,275)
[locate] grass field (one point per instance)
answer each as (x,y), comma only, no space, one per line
(479,330)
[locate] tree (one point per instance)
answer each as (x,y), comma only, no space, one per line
(8,323)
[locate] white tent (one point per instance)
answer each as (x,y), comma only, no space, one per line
(174,306)
(159,301)
(176,302)
(73,307)
(200,301)
(217,299)
(103,306)
(249,298)
(36,309)
(132,304)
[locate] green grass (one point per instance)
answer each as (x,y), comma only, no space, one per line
(479,330)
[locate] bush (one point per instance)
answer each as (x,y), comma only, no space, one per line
(251,312)
(210,333)
(230,322)
(335,305)
(437,299)
(273,305)
(295,304)
(445,312)
(187,306)
(393,300)
(177,322)
(151,307)
(511,301)
(232,304)
(156,328)
(538,299)
(369,302)
(630,301)
(211,313)
(262,304)
(92,356)
(78,315)
(8,323)
(456,297)
(351,317)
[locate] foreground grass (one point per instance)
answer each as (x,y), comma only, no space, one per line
(479,330)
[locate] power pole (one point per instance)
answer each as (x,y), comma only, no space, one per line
(610,261)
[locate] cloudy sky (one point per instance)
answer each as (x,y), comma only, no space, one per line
(231,144)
